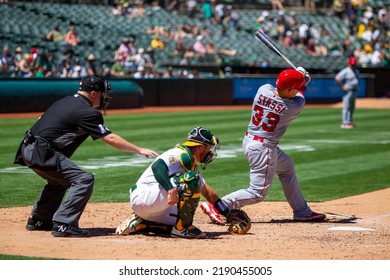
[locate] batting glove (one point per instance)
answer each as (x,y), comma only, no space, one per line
(305,73)
(212,212)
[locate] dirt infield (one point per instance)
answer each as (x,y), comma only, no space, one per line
(361,232)
(356,228)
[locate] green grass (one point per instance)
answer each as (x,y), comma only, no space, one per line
(330,162)
(13,257)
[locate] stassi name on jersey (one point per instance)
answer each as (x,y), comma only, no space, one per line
(272,104)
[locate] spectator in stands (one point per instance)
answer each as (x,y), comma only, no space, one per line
(71,37)
(338,8)
(335,48)
(265,63)
(277,4)
(157,43)
(139,58)
(191,8)
(297,40)
(90,65)
(348,48)
(185,61)
(79,70)
(315,48)
(117,10)
(252,62)
(126,47)
(25,66)
(207,10)
(148,73)
(310,6)
(40,72)
(67,55)
(220,12)
(6,61)
(140,73)
(18,56)
(117,69)
(150,60)
(377,58)
(180,48)
(288,41)
(15,73)
(168,73)
(67,70)
(46,59)
(211,49)
(55,35)
(384,16)
(199,47)
(234,18)
(136,10)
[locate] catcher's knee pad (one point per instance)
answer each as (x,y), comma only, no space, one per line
(189,195)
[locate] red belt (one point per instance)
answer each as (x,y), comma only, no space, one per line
(256,138)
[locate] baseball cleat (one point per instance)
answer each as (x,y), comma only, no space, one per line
(313,217)
(130,225)
(65,230)
(191,232)
(347,125)
(36,224)
(213,213)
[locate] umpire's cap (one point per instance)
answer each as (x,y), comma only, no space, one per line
(90,83)
(291,79)
(200,136)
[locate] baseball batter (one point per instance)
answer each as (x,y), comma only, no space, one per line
(167,194)
(273,109)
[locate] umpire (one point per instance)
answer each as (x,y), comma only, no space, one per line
(51,141)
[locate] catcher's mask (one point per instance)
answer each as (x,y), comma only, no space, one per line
(202,136)
(97,83)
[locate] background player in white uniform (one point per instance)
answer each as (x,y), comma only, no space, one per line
(348,80)
(167,194)
(273,110)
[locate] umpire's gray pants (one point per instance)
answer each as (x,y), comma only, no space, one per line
(51,205)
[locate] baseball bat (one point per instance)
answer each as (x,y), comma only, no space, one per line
(264,38)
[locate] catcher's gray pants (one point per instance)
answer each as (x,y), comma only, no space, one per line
(50,205)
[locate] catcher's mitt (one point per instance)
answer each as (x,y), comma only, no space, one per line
(240,223)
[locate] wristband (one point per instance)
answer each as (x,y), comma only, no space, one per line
(221,207)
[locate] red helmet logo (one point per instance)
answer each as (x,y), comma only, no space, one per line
(291,78)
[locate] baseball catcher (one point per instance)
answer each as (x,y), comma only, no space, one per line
(167,194)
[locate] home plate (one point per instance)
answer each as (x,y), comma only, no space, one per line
(351,229)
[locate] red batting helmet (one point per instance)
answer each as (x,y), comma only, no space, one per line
(291,78)
(352,61)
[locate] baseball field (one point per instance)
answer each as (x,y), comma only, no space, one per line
(342,172)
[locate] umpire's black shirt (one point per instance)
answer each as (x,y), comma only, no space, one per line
(68,122)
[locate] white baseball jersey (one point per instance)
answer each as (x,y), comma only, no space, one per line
(270,118)
(149,199)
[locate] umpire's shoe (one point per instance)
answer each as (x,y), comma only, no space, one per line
(36,224)
(65,230)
